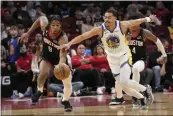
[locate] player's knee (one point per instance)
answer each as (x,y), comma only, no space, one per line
(135,69)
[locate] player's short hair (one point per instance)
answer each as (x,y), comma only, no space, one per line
(113,11)
(55,18)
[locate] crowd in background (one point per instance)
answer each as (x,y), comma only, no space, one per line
(91,72)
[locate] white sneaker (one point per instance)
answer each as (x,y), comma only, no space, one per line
(99,91)
(76,93)
(113,90)
(59,94)
(21,95)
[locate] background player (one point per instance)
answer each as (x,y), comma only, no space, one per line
(137,37)
(53,36)
(112,36)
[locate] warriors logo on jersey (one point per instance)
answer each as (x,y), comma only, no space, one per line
(113,41)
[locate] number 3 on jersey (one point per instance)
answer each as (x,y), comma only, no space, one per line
(134,50)
(50,49)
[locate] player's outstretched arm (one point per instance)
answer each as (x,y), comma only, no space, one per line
(84,36)
(148,35)
(131,23)
(63,53)
(42,21)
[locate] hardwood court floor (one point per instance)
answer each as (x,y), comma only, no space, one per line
(87,105)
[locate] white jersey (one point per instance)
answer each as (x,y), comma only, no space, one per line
(114,42)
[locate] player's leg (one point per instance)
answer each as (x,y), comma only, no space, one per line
(115,68)
(67,93)
(136,69)
(44,73)
(131,84)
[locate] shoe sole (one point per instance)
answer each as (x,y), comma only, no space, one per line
(113,103)
(68,110)
(151,95)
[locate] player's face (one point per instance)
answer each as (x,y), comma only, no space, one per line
(55,26)
(109,19)
(134,29)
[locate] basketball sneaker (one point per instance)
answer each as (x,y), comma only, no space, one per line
(36,97)
(117,101)
(143,105)
(135,102)
(148,94)
(67,106)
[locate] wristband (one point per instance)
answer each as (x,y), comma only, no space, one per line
(148,19)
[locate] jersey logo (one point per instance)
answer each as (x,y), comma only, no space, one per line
(113,41)
(139,37)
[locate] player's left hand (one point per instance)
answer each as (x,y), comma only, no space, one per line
(153,18)
(162,60)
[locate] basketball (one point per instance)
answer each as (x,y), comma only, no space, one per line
(61,71)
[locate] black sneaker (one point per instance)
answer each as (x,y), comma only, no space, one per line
(135,102)
(35,97)
(143,105)
(149,95)
(117,101)
(67,106)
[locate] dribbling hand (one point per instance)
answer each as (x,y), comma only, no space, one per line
(24,36)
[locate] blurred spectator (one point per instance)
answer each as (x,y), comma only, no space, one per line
(88,45)
(98,18)
(89,10)
(30,9)
(35,63)
(157,67)
(161,12)
(88,24)
(3,32)
(21,29)
(22,80)
(22,17)
(78,21)
(49,9)
(7,18)
(84,71)
(100,62)
(4,53)
(170,28)
(64,10)
(39,12)
(11,7)
(56,86)
(13,45)
(146,77)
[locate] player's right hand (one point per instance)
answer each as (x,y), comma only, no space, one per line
(24,36)
(153,18)
(65,47)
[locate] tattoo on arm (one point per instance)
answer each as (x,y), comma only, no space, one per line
(148,35)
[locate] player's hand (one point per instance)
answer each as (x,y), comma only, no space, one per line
(103,70)
(162,60)
(64,46)
(153,18)
(24,36)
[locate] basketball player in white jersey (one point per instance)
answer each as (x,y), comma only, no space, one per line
(112,36)
(137,37)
